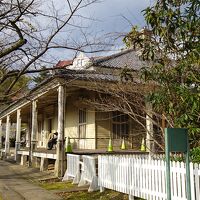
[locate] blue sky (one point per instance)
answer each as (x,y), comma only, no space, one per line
(110,13)
(112,17)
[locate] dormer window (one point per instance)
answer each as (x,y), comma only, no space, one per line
(79,63)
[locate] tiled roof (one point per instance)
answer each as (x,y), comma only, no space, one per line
(64,63)
(124,59)
(85,75)
(88,76)
(127,58)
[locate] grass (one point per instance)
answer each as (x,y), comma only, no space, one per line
(80,195)
(1,198)
(57,186)
(108,194)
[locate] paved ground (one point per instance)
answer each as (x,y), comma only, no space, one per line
(17,183)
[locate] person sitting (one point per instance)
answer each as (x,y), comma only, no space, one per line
(23,141)
(52,140)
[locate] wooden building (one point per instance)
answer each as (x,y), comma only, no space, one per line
(55,106)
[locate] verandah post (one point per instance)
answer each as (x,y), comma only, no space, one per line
(33,130)
(34,124)
(60,151)
(7,141)
(149,128)
(18,133)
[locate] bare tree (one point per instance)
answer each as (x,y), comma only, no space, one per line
(30,29)
(128,97)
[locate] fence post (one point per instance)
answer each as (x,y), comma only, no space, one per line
(73,168)
(197,180)
(130,197)
(88,173)
(188,172)
(102,189)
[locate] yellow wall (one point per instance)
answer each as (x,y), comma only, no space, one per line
(71,126)
(71,120)
(90,129)
(103,129)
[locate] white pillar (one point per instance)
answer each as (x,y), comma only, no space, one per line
(18,133)
(59,169)
(34,125)
(149,128)
(1,134)
(46,132)
(7,141)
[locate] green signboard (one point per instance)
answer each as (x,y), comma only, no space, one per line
(176,140)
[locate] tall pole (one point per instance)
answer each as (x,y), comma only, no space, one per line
(60,143)
(176,140)
(29,139)
(168,173)
(33,129)
(34,125)
(7,141)
(18,133)
(188,172)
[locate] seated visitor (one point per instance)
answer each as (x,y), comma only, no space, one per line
(23,141)
(52,140)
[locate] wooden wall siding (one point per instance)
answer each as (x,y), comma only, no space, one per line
(90,129)
(104,131)
(71,120)
(103,124)
(137,133)
(102,143)
(72,123)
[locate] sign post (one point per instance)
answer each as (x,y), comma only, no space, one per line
(176,140)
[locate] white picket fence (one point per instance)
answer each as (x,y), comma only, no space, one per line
(88,172)
(82,169)
(140,176)
(73,168)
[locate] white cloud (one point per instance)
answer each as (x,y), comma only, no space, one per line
(110,17)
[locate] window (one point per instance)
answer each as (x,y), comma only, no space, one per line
(120,127)
(82,123)
(79,63)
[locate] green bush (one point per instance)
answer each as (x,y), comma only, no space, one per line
(195,155)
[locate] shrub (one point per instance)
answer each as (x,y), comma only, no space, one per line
(195,155)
